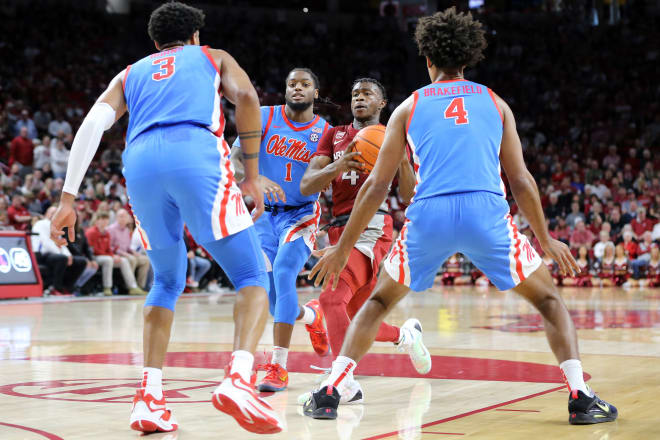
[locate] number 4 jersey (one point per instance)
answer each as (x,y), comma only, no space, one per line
(175,86)
(455,125)
(286,149)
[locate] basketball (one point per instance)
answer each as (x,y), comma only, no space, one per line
(368,142)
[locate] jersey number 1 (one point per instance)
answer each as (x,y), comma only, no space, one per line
(166,68)
(456,110)
(287,178)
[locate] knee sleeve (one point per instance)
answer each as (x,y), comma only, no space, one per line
(289,261)
(169,275)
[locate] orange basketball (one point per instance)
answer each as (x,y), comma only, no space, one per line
(369,140)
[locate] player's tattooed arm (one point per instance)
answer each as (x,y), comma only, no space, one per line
(250,134)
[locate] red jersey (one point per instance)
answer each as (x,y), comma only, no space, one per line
(99,242)
(345,187)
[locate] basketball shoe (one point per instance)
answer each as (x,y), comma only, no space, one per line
(411,341)
(276,378)
(322,404)
(237,398)
(317,332)
(151,415)
(587,410)
(350,391)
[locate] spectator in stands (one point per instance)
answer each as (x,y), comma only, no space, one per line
(138,247)
(574,214)
(21,150)
(64,267)
(99,240)
(120,242)
(80,248)
(41,152)
(554,210)
(599,247)
(616,222)
(58,126)
(42,118)
(197,264)
(59,158)
(25,122)
(19,216)
(111,158)
(643,254)
(581,236)
(628,243)
(642,223)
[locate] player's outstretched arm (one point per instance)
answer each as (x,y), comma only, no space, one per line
(110,106)
(526,193)
(321,170)
(407,180)
(238,89)
(369,198)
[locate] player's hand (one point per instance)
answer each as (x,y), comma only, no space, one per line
(327,269)
(251,187)
(348,161)
(64,217)
(273,191)
(559,252)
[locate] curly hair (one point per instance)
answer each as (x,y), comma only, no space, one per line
(451,39)
(174,21)
(377,83)
(315,78)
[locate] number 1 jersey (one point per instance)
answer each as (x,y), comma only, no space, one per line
(175,86)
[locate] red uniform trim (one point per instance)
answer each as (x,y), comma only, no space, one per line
(123,81)
(205,49)
(270,119)
(412,111)
(304,127)
(492,96)
(225,196)
(309,222)
(221,129)
(516,255)
(449,80)
(402,271)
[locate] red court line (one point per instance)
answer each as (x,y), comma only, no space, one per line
(48,435)
(441,433)
(519,410)
(476,411)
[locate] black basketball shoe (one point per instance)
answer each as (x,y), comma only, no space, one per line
(585,410)
(322,404)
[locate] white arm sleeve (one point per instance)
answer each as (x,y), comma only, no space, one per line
(100,117)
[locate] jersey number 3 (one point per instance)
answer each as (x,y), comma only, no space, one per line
(166,68)
(456,110)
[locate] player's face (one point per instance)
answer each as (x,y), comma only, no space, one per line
(366,101)
(300,91)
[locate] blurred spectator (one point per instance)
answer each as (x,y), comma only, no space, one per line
(575,214)
(641,223)
(599,247)
(581,236)
(19,216)
(99,240)
(25,122)
(198,266)
(64,267)
(41,152)
(42,118)
(59,158)
(59,126)
(629,244)
(120,242)
(111,158)
(80,248)
(22,149)
(643,254)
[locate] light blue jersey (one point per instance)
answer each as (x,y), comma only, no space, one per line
(286,149)
(455,131)
(175,86)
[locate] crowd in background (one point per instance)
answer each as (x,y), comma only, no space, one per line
(588,115)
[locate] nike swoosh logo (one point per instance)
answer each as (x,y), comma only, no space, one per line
(605,407)
(156,408)
(337,142)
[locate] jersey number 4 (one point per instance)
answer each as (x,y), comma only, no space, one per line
(166,68)
(456,110)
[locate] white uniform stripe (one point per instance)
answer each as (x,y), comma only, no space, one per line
(512,250)
(215,118)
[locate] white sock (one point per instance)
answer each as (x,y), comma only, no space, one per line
(241,363)
(342,368)
(572,370)
(309,315)
(280,355)
(152,382)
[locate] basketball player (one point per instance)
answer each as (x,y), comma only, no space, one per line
(287,230)
(177,170)
(335,164)
(455,127)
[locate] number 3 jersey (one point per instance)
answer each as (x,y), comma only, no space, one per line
(346,186)
(286,149)
(455,131)
(175,86)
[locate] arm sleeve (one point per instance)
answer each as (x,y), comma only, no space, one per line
(325,146)
(100,118)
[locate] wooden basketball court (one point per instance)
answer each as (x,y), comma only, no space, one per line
(70,368)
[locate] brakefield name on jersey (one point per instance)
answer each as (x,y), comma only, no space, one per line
(288,147)
(453,90)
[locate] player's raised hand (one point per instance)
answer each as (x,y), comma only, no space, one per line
(64,217)
(559,252)
(273,191)
(328,268)
(348,160)
(251,187)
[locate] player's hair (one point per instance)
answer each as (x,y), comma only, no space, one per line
(174,21)
(451,39)
(372,81)
(317,84)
